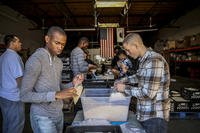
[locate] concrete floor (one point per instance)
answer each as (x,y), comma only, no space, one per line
(184,126)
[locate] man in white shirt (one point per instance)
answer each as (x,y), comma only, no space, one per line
(11,72)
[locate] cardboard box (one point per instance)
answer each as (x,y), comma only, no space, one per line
(195,40)
(185,43)
(171,44)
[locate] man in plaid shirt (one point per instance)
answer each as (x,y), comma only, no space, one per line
(152,90)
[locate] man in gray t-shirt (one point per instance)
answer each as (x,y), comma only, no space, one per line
(41,84)
(77,58)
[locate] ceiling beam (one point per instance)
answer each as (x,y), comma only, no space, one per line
(19,2)
(63,9)
(115,16)
(148,13)
(38,15)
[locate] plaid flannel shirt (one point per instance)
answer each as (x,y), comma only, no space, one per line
(152,93)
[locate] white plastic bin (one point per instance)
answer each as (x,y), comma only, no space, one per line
(97,104)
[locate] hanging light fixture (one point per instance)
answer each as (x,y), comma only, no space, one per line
(104,25)
(79,29)
(110,3)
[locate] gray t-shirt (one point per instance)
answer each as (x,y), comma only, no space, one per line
(41,80)
(78,63)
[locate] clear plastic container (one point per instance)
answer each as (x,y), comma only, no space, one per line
(98,104)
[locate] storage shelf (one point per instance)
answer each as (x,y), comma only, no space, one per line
(186,61)
(183,49)
(190,67)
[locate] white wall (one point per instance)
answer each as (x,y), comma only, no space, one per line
(12,22)
(189,25)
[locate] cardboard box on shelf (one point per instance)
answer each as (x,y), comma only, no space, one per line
(171,44)
(195,40)
(185,43)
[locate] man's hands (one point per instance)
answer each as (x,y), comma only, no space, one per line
(115,72)
(66,93)
(70,92)
(91,66)
(124,68)
(78,79)
(119,86)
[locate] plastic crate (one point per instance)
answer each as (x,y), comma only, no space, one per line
(97,104)
(191,93)
(178,104)
(195,106)
(83,129)
(98,83)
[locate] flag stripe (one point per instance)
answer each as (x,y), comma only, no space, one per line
(106,43)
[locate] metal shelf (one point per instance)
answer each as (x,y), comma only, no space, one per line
(186,61)
(183,49)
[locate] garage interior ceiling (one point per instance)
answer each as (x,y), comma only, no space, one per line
(137,14)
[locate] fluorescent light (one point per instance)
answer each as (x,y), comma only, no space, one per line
(143,30)
(108,24)
(80,29)
(111,3)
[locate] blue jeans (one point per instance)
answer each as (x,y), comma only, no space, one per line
(155,125)
(43,124)
(13,116)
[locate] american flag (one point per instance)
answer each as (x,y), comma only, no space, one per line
(106,42)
